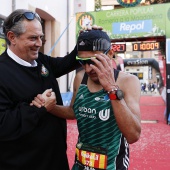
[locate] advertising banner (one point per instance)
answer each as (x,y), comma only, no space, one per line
(66,97)
(168,51)
(143,21)
(2,45)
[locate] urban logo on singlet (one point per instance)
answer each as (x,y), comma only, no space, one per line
(103,114)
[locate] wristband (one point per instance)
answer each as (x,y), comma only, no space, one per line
(116,93)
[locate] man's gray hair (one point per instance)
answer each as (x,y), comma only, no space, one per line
(18,27)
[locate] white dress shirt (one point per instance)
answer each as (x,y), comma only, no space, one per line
(19,60)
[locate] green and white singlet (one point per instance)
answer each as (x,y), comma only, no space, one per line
(97,126)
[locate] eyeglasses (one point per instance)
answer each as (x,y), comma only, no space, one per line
(84,61)
(28,15)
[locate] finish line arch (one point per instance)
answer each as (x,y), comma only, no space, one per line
(146,62)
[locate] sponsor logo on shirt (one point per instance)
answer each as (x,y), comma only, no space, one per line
(104,114)
(81,97)
(102,99)
(87,110)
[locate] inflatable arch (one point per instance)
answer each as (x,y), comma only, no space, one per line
(145,62)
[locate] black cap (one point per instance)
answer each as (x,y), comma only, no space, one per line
(93,40)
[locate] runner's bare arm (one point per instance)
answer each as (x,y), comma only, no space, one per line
(127,110)
(48,100)
(67,112)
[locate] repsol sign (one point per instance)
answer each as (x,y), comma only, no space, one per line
(132,27)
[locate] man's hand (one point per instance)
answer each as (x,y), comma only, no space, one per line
(47,99)
(47,93)
(50,102)
(104,69)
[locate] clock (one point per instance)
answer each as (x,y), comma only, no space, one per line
(148,46)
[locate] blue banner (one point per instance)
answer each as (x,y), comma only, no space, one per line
(66,97)
(131,27)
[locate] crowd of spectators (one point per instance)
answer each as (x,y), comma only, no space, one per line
(150,87)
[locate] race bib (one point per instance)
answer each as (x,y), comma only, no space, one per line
(94,157)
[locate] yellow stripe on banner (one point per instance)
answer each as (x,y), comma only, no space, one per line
(83,157)
(92,160)
(77,153)
(102,161)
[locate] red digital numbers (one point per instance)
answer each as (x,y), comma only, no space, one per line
(119,47)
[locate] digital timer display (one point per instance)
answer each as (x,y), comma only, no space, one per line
(119,47)
(146,46)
